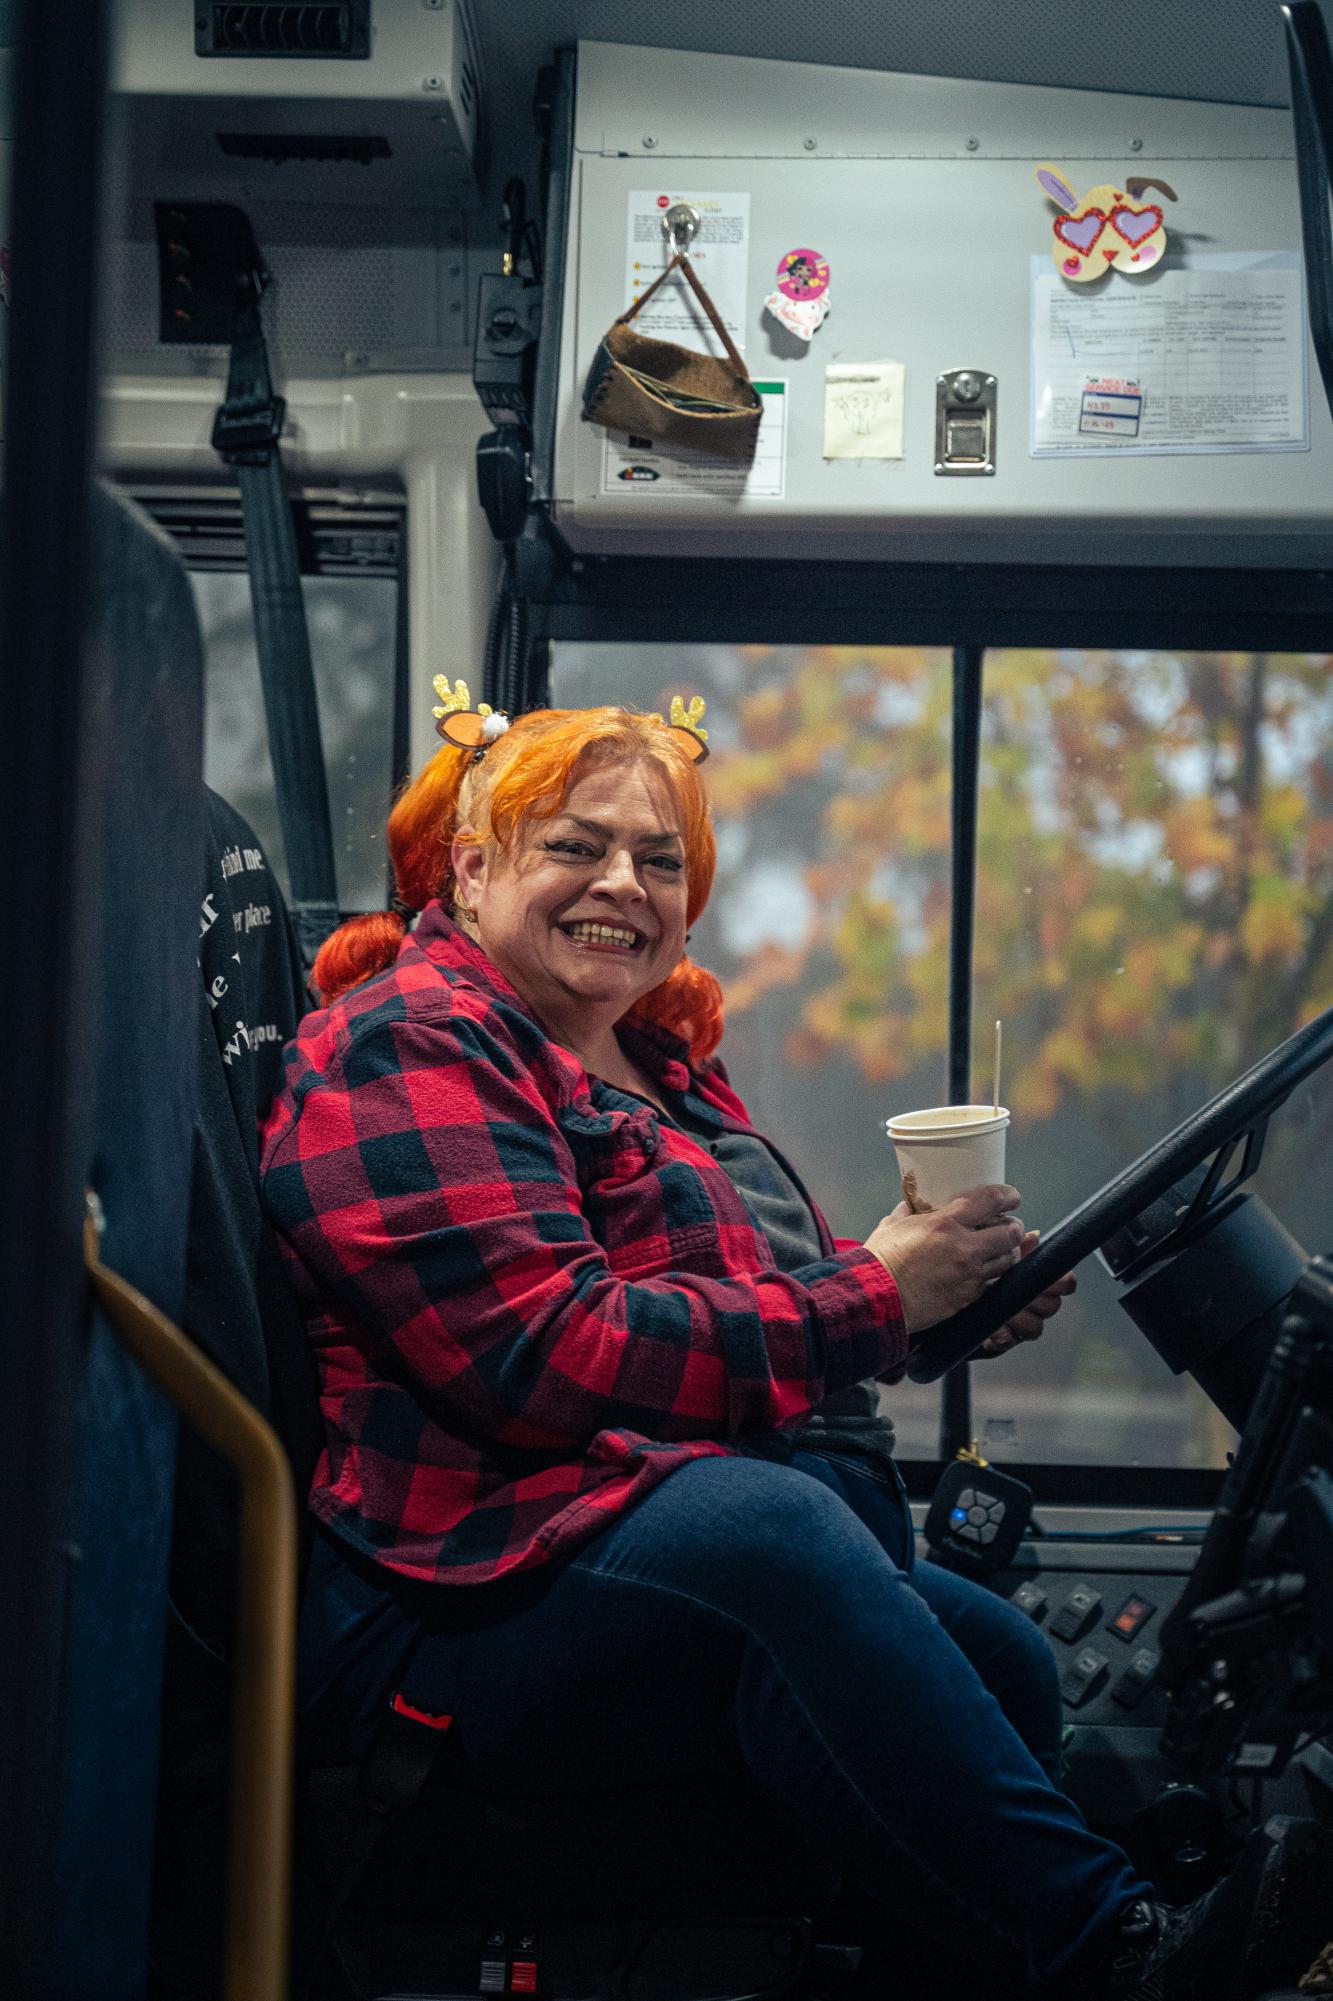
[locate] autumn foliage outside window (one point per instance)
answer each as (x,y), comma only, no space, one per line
(1154,911)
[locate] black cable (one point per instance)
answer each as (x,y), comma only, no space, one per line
(516,652)
(490,653)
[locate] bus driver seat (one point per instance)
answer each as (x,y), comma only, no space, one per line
(408,1882)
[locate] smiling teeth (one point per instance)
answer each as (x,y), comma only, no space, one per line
(603,933)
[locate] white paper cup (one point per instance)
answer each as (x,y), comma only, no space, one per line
(947,1149)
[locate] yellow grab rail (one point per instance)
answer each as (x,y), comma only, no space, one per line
(264,1661)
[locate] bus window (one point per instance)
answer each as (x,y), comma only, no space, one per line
(351,587)
(1154,913)
(1155,873)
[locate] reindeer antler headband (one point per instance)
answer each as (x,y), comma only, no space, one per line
(477,729)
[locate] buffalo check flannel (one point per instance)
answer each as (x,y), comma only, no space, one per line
(529,1297)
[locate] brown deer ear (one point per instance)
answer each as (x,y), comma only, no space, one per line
(695,747)
(462,727)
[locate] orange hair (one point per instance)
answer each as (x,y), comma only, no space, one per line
(524,776)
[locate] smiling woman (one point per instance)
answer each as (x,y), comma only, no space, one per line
(638,837)
(598,1380)
(588,915)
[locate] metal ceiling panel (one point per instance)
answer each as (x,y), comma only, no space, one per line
(1229,51)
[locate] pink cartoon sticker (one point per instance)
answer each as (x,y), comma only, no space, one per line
(802,274)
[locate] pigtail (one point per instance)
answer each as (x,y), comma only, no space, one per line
(420,829)
(688,1003)
(356,951)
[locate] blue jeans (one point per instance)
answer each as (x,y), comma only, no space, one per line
(769,1615)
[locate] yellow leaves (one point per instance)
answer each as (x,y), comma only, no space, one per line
(764,718)
(1196,837)
(1272,926)
(1098,926)
(1284,814)
(1146,860)
(743,781)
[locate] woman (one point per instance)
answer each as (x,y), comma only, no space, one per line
(573,1317)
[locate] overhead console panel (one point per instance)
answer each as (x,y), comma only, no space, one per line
(986,321)
(350,102)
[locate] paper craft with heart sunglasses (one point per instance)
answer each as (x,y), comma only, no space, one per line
(1109,228)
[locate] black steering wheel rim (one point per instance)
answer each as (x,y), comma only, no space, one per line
(1233,1112)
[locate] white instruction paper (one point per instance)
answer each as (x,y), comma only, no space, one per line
(719,253)
(1213,353)
(652,468)
(863,410)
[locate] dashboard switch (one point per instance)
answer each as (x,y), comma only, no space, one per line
(1083,1676)
(1077,1613)
(1131,1687)
(1132,1616)
(1030,1598)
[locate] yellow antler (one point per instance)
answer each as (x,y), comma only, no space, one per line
(691,718)
(456,699)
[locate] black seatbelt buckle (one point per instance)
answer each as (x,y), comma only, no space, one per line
(248,433)
(408,1742)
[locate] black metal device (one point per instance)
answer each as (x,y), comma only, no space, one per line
(209,268)
(1207,1277)
(504,367)
(504,358)
(977,1516)
(502,480)
(1248,1651)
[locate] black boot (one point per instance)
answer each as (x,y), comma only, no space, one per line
(1257,1929)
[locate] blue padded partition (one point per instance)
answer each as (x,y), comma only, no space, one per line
(139,1002)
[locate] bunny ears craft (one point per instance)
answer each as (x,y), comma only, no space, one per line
(1109,226)
(477,729)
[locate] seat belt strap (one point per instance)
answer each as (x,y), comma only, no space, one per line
(407,1750)
(245,435)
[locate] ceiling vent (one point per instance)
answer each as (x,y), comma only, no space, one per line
(329,28)
(279,147)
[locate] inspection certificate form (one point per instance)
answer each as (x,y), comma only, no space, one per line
(667,471)
(1207,357)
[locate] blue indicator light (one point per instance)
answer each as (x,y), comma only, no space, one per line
(958,1515)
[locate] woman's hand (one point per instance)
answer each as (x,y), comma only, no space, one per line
(945,1259)
(1031,1322)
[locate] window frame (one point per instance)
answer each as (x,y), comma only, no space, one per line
(335,537)
(970,611)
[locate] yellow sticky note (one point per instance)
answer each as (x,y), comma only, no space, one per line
(863,410)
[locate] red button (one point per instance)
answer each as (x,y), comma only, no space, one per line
(523,1977)
(1131,1617)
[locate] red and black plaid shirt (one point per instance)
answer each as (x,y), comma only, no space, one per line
(529,1298)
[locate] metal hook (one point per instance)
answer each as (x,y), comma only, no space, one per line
(680,226)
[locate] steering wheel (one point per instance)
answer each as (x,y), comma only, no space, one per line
(1240,1111)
